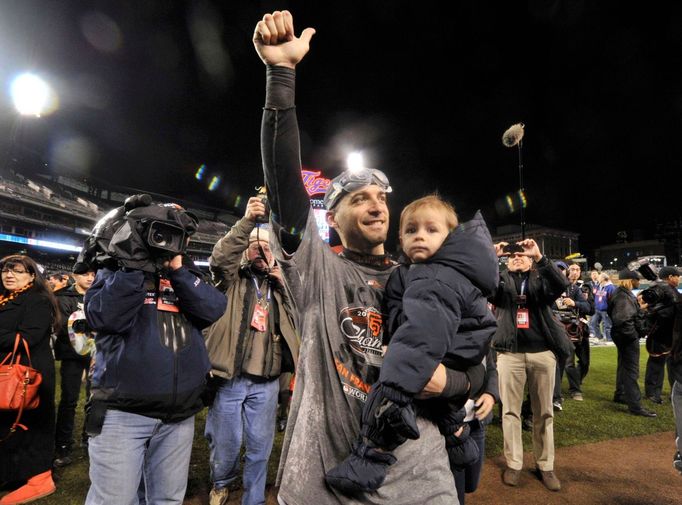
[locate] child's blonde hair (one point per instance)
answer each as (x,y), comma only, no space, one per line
(432,201)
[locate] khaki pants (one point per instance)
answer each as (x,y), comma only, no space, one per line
(514,370)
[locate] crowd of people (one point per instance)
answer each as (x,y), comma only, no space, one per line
(398,364)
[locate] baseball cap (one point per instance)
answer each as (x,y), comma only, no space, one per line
(628,274)
(666,272)
(80,268)
(562,265)
(349,181)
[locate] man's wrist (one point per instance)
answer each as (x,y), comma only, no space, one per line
(280,87)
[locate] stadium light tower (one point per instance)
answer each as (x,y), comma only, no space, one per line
(32,96)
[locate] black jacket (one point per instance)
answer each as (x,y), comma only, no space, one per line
(69,301)
(624,311)
(545,285)
(28,453)
(438,310)
(151,362)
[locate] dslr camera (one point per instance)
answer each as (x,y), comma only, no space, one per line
(512,249)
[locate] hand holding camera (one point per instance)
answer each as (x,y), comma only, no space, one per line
(256,209)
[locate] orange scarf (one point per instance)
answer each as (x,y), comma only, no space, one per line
(5,299)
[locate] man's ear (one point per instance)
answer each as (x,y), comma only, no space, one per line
(331,219)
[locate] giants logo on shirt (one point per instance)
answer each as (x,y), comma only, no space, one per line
(363,329)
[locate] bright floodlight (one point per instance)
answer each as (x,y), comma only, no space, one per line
(31,95)
(355,162)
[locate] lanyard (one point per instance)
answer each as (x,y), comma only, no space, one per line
(259,294)
(523,287)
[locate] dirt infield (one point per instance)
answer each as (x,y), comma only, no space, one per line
(628,471)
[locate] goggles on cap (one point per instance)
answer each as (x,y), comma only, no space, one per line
(349,181)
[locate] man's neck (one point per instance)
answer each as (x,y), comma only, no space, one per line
(375,260)
(79,289)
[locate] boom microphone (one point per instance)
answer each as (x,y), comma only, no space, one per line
(513,135)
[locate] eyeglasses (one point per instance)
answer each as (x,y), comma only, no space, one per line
(14,270)
(352,181)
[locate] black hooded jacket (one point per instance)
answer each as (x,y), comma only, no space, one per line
(70,301)
(438,311)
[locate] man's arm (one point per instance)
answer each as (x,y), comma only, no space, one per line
(114,299)
(281,51)
(227,253)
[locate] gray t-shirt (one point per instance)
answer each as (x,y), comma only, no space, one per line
(341,324)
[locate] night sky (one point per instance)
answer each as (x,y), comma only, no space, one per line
(150,90)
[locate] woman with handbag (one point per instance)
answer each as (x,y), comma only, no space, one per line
(27,308)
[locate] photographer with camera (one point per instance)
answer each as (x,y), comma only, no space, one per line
(529,342)
(574,305)
(660,300)
(74,363)
(249,347)
(148,307)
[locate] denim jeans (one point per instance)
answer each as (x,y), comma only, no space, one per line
(676,400)
(242,405)
(603,317)
(131,444)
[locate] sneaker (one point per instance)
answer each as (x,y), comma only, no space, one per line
(62,461)
(511,477)
(677,462)
(558,407)
(37,486)
(577,397)
(550,480)
(218,496)
(62,457)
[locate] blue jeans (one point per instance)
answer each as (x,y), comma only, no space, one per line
(242,405)
(676,400)
(131,444)
(603,317)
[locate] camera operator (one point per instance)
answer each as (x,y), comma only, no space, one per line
(147,308)
(74,363)
(660,302)
(249,347)
(574,305)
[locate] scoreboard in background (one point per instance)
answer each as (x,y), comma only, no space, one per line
(316,186)
(320,212)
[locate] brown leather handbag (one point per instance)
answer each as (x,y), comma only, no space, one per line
(18,384)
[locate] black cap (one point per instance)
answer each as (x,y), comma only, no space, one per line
(80,268)
(666,272)
(628,274)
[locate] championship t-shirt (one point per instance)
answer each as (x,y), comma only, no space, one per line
(341,325)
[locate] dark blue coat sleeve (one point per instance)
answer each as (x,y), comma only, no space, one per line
(432,313)
(113,301)
(201,303)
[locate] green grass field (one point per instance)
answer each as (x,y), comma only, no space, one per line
(597,418)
